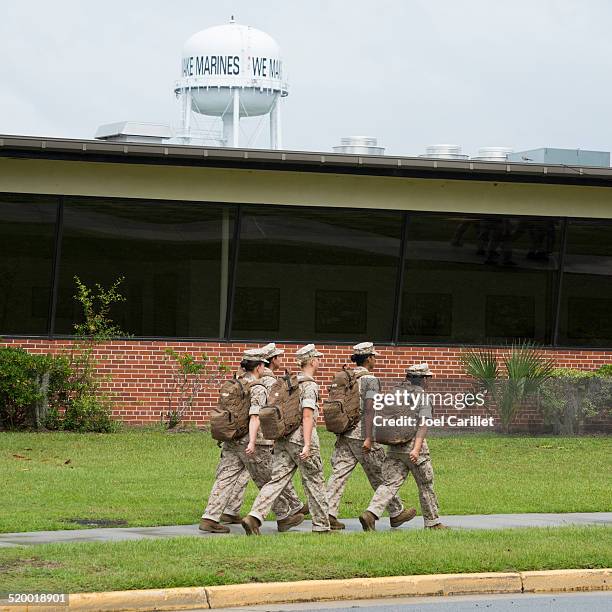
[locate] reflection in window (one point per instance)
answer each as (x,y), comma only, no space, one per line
(27,235)
(330,274)
(174,257)
(586,298)
(477,280)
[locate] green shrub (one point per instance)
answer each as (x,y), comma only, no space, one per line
(188,376)
(525,369)
(605,371)
(569,397)
(89,414)
(60,382)
(32,387)
(19,388)
(59,392)
(86,407)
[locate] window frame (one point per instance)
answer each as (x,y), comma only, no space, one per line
(238,208)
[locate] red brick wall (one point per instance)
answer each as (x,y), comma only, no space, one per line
(140,373)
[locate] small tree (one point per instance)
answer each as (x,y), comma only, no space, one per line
(188,377)
(525,369)
(87,407)
(96,328)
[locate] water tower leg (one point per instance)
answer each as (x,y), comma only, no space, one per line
(276,140)
(186,115)
(228,129)
(236,118)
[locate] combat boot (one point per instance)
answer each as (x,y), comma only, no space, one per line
(335,524)
(251,525)
(368,521)
(212,526)
(304,509)
(291,521)
(437,526)
(231,519)
(407,514)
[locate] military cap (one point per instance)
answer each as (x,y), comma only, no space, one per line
(307,352)
(420,369)
(271,351)
(255,354)
(364,348)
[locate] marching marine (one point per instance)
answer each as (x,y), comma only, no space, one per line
(232,511)
(411,457)
(355,446)
(252,452)
(297,450)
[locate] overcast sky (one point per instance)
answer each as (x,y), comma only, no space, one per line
(519,73)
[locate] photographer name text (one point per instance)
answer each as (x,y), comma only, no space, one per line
(442,421)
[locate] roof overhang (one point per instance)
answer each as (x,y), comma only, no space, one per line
(305,161)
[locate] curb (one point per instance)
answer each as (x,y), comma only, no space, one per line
(217,597)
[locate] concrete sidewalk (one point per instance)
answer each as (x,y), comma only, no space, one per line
(477,521)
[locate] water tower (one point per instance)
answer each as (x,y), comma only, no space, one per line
(232,71)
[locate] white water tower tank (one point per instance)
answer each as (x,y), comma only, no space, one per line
(232,71)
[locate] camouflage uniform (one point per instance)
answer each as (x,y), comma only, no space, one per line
(397,467)
(287,461)
(238,492)
(242,480)
(234,461)
(348,452)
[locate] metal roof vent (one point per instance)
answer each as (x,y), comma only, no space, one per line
(359,145)
(493,154)
(134,131)
(444,151)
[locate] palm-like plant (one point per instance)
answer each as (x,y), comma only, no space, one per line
(526,368)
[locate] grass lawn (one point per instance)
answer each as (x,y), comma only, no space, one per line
(155,478)
(229,560)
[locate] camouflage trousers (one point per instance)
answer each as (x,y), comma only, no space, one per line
(348,452)
(286,462)
(396,468)
(238,492)
(234,461)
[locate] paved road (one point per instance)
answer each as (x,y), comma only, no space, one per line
(557,602)
(482,521)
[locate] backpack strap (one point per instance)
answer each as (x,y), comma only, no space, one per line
(303,380)
(257,383)
(241,385)
(253,383)
(352,376)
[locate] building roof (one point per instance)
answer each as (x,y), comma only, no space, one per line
(305,161)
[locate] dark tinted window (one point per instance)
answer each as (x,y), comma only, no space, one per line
(316,274)
(586,298)
(27,233)
(174,257)
(477,280)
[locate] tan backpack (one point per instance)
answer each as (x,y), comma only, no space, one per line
(342,408)
(402,430)
(283,414)
(230,419)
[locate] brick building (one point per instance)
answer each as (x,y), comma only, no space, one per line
(226,247)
